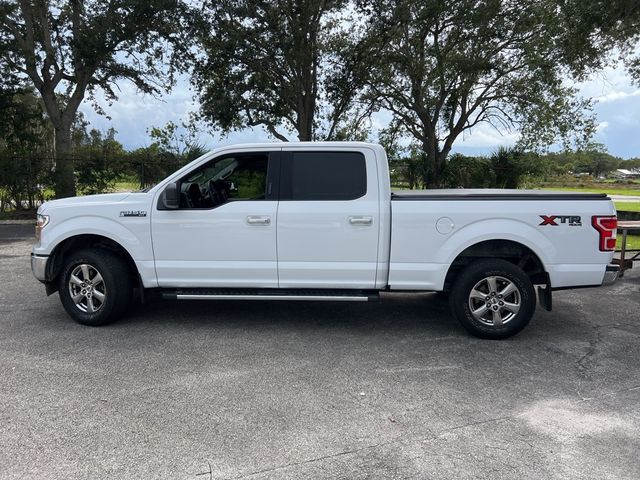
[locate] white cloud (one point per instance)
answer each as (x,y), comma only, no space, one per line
(611,79)
(485,136)
(617,95)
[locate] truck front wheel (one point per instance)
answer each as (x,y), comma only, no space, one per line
(493,299)
(95,286)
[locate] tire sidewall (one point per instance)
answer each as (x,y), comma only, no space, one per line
(103,263)
(471,276)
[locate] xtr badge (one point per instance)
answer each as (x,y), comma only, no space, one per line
(571,220)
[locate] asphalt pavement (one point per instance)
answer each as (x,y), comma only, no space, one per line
(261,390)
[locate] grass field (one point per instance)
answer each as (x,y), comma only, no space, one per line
(633,242)
(612,190)
(628,206)
(126,187)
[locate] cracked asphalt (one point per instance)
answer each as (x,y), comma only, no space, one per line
(315,390)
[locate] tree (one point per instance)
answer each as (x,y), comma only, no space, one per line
(593,29)
(71,48)
(468,172)
(508,167)
(442,68)
(270,62)
(25,146)
(595,160)
(183,144)
(99,157)
(630,164)
(23,125)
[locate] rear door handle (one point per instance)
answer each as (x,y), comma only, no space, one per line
(361,220)
(258,220)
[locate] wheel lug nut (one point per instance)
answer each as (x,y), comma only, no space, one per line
(493,294)
(495,307)
(500,303)
(499,296)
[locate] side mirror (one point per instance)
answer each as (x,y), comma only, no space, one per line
(171,196)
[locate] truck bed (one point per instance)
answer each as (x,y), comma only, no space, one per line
(431,228)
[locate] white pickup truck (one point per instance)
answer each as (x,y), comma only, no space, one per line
(318,221)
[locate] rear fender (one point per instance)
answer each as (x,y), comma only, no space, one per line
(496,229)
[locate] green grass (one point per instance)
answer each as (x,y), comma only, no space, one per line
(126,186)
(612,190)
(628,206)
(633,242)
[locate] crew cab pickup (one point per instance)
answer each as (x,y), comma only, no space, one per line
(318,221)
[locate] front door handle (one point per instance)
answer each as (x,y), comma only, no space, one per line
(258,220)
(361,220)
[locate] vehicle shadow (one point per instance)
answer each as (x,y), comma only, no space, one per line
(421,312)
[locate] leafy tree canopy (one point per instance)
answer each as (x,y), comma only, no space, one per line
(76,47)
(286,65)
(443,68)
(593,29)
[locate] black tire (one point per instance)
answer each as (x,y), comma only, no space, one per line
(115,287)
(486,325)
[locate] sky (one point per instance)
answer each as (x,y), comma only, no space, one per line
(617,110)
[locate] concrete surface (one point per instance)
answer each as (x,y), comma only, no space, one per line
(315,390)
(625,198)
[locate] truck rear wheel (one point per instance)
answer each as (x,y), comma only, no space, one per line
(493,299)
(95,287)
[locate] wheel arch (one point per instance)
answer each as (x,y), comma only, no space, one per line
(80,241)
(512,251)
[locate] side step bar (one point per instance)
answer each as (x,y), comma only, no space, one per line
(272,294)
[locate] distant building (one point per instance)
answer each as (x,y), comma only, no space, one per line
(624,174)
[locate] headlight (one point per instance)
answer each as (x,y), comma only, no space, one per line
(41,222)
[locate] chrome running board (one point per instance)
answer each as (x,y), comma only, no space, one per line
(272,294)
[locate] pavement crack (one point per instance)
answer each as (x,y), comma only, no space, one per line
(610,394)
(472,424)
(312,460)
(368,447)
(209,473)
(587,362)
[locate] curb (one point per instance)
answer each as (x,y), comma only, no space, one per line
(17,222)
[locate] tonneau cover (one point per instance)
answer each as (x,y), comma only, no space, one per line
(493,194)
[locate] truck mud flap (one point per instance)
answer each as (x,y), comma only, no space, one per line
(545,297)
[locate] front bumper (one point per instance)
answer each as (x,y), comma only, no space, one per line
(611,274)
(39,266)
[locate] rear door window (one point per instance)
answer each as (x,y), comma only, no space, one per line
(324,176)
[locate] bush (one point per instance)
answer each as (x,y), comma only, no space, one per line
(95,174)
(468,172)
(24,181)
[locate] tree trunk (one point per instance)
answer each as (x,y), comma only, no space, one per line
(433,163)
(429,159)
(65,185)
(305,120)
(441,158)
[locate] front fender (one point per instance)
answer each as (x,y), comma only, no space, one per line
(134,237)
